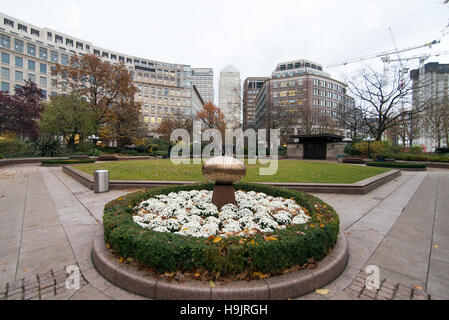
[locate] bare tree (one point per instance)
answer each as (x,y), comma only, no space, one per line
(383,100)
(354,122)
(281,118)
(436,120)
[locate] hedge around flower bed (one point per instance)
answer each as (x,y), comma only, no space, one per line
(168,252)
(397,165)
(70,161)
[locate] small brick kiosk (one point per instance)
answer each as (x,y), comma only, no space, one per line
(316,147)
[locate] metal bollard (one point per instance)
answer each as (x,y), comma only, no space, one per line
(101,181)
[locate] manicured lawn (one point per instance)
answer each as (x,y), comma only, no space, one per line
(289,171)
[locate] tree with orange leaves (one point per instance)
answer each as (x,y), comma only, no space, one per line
(107,88)
(177,122)
(212,117)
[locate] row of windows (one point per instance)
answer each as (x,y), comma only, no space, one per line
(162,91)
(19,63)
(289,93)
(327,94)
(297,65)
(328,103)
(5,87)
(327,84)
(58,39)
(19,77)
(21,27)
(165,101)
(285,84)
(33,50)
(166,110)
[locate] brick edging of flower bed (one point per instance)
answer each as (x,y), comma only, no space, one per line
(361,187)
(281,287)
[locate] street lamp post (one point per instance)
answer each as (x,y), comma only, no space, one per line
(410,115)
(94,140)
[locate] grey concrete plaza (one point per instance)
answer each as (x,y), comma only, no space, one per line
(48,222)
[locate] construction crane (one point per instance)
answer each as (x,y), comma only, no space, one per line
(385,53)
(422,57)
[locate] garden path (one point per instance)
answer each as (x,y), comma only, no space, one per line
(48,221)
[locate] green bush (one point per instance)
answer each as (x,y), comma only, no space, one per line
(1,156)
(416,150)
(49,147)
(376,148)
(422,157)
(350,150)
(14,148)
(167,252)
(160,153)
(69,161)
(386,164)
(442,150)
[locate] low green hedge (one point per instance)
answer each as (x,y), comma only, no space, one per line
(70,161)
(387,164)
(421,157)
(167,252)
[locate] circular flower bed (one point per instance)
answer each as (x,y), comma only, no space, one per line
(191,213)
(177,229)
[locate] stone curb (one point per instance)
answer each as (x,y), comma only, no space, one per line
(281,287)
(361,187)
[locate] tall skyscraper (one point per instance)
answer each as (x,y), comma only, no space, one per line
(229,99)
(431,82)
(251,88)
(203,80)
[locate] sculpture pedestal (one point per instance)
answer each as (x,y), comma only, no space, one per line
(223,194)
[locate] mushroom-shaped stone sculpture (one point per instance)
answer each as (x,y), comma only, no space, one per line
(224,172)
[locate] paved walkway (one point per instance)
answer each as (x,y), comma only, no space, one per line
(48,220)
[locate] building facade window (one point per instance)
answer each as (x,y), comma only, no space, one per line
(64,59)
(5,41)
(9,23)
(5,58)
(54,56)
(35,32)
(21,27)
(43,53)
(31,65)
(43,68)
(19,76)
(5,86)
(5,73)
(19,62)
(31,49)
(43,81)
(31,77)
(18,45)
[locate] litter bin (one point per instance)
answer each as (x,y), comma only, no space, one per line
(101,181)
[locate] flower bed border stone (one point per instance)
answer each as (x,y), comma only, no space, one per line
(280,287)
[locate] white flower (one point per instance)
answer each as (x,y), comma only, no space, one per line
(191,213)
(283,217)
(231,226)
(300,219)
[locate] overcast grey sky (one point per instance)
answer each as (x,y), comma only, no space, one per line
(251,35)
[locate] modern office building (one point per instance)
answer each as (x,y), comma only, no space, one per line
(251,87)
(28,52)
(430,81)
(302,84)
(203,79)
(229,99)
